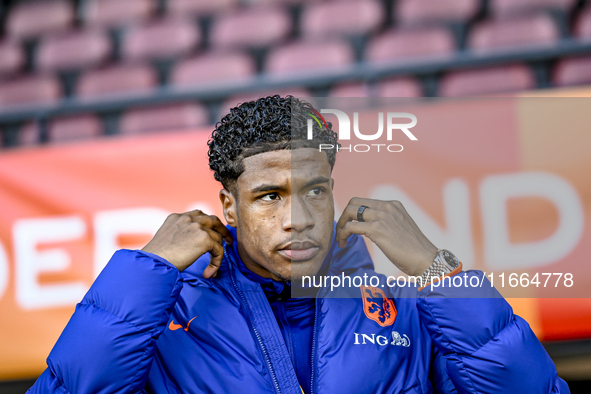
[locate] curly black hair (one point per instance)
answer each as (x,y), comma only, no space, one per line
(267,124)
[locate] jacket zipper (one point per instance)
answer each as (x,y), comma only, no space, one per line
(315,325)
(256,332)
(314,344)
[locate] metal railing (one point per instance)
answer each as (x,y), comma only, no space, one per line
(213,94)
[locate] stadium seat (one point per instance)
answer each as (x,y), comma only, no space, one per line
(508,8)
(426,12)
(201,7)
(252,27)
(28,135)
(309,56)
(406,43)
(118,79)
(582,27)
(350,89)
(574,71)
(400,87)
(487,81)
(337,17)
(73,50)
(285,2)
(62,129)
(33,18)
(12,57)
(78,127)
(116,12)
(162,38)
(534,30)
(34,89)
(213,67)
(392,87)
(163,118)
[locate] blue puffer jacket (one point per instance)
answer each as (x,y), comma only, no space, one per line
(144,327)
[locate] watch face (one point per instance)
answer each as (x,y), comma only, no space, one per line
(450,259)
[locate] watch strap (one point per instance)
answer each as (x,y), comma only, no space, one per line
(443,263)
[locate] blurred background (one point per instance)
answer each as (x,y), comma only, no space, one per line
(89,70)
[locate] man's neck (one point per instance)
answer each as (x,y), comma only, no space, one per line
(255,267)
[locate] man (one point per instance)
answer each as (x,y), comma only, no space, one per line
(171,319)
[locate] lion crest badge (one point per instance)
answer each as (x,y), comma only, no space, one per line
(377,306)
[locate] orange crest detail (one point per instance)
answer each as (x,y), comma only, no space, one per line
(377,307)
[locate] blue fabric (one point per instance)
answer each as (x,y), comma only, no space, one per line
(295,317)
(145,327)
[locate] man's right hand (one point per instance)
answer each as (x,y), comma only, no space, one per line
(183,238)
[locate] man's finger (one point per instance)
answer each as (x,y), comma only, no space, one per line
(217,254)
(368,202)
(350,213)
(350,228)
(216,224)
(212,222)
(219,227)
(217,237)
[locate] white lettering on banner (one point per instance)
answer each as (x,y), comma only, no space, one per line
(456,205)
(455,234)
(496,190)
(28,233)
(203,207)
(109,225)
(4,271)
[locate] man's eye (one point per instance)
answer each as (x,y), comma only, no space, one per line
(316,191)
(270,197)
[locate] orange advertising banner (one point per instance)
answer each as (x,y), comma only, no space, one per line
(502,182)
(66,209)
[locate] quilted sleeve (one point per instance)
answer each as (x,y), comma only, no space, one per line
(109,342)
(487,348)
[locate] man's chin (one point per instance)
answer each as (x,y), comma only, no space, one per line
(304,268)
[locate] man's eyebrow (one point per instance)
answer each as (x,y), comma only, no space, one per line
(271,187)
(266,188)
(316,181)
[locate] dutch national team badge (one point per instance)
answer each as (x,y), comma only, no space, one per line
(377,307)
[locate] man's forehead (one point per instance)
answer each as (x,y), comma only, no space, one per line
(286,158)
(282,164)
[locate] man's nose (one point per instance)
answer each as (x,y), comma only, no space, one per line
(298,216)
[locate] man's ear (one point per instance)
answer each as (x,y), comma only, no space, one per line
(229,206)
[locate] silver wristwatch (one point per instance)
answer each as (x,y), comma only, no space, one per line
(444,263)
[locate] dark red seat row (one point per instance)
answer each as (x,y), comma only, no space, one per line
(34,18)
(323,25)
(178,37)
(480,82)
(135,121)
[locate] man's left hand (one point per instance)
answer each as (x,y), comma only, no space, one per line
(392,229)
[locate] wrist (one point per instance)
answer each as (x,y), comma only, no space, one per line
(444,263)
(160,253)
(426,262)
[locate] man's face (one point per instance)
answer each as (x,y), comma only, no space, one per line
(283,211)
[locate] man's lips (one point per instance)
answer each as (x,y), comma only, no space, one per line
(299,251)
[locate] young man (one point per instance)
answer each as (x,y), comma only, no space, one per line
(171,319)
